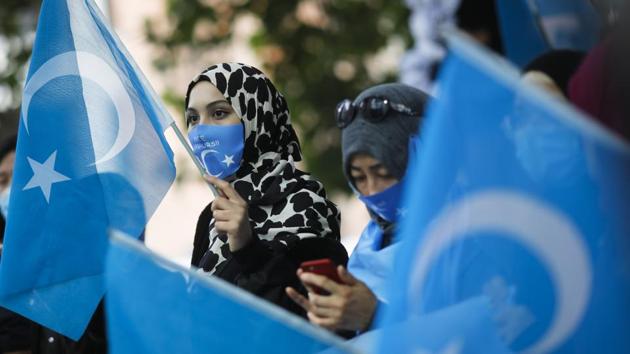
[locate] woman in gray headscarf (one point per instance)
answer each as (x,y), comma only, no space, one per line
(378,130)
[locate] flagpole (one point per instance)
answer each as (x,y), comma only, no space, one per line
(191,153)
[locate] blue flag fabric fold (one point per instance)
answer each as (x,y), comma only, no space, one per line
(466,327)
(519,198)
(154,306)
(91,156)
(529,28)
(522,33)
(568,24)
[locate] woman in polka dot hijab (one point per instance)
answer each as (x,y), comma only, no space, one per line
(287,208)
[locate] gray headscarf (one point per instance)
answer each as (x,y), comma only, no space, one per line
(387,140)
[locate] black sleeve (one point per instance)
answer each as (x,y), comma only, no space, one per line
(2,226)
(15,331)
(93,340)
(201,242)
(266,268)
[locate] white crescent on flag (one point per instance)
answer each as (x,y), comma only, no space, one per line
(543,230)
(98,71)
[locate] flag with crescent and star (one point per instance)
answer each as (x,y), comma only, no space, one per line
(521,199)
(91,157)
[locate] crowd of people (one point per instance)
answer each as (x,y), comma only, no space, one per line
(269,216)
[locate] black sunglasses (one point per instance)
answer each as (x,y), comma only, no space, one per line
(374,109)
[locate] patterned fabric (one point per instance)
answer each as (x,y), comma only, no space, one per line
(285,204)
(428,21)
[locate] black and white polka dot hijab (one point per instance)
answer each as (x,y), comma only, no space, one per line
(285,204)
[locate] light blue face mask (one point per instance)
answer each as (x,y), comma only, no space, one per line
(4,202)
(219,148)
(386,204)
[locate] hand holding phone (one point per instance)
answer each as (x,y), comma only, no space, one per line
(324,267)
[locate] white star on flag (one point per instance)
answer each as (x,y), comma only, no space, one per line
(401,212)
(229,160)
(44,175)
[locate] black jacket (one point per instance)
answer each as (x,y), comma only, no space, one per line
(15,331)
(266,269)
(93,340)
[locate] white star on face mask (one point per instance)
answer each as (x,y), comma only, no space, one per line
(229,160)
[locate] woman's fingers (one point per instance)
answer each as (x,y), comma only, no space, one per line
(222,215)
(220,203)
(327,323)
(308,304)
(324,301)
(226,227)
(345,276)
(309,288)
(226,216)
(298,298)
(312,279)
(208,178)
(325,312)
(226,188)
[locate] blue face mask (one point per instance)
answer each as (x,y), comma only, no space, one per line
(4,202)
(386,204)
(219,148)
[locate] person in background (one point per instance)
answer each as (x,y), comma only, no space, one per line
(7,160)
(15,330)
(429,20)
(601,85)
(553,70)
(269,216)
(378,129)
(480,20)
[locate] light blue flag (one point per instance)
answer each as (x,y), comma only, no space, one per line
(529,28)
(519,198)
(568,24)
(91,156)
(154,306)
(522,35)
(464,328)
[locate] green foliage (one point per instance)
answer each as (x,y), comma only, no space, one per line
(314,50)
(315,59)
(17,26)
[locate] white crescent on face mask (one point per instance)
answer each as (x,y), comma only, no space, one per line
(203,161)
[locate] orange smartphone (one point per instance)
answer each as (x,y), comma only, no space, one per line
(324,267)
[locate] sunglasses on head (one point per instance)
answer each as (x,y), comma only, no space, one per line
(374,109)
